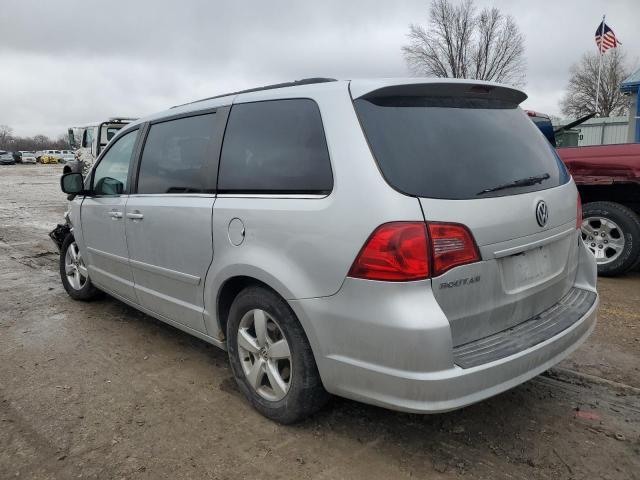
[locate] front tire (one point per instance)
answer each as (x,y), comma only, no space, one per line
(271,359)
(612,233)
(73,272)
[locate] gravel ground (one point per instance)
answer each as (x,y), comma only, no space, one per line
(99,390)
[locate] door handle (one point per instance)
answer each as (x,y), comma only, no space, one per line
(135,215)
(115,214)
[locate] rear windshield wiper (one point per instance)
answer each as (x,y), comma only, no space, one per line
(522,182)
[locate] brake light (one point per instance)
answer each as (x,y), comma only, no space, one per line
(579,213)
(395,252)
(406,251)
(452,245)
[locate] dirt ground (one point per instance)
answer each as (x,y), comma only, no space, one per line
(98,390)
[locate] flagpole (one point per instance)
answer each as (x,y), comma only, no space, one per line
(600,62)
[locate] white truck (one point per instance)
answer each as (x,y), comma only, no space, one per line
(89,140)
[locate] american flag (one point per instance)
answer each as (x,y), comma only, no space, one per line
(605,38)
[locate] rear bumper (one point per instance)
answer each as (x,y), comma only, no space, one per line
(390,345)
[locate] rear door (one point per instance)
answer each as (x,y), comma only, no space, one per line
(472,157)
(168,218)
(102,219)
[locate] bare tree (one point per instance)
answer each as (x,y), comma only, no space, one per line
(6,134)
(580,98)
(10,142)
(460,43)
(41,142)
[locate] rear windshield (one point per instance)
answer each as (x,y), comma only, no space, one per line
(458,148)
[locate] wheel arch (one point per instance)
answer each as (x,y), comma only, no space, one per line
(228,292)
(232,285)
(626,194)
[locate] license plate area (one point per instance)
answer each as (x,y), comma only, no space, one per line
(533,267)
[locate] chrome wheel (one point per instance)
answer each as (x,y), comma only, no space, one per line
(74,267)
(604,238)
(264,355)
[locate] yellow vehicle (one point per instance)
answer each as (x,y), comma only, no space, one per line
(48,159)
(49,156)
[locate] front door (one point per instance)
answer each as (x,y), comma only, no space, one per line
(102,219)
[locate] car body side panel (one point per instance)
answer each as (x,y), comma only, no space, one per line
(170,251)
(107,256)
(603,164)
(73,217)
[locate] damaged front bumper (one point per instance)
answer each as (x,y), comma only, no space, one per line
(59,233)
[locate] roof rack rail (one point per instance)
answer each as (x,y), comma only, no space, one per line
(120,119)
(302,81)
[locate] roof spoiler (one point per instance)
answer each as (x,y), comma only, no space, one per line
(436,88)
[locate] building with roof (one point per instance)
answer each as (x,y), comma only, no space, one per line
(631,86)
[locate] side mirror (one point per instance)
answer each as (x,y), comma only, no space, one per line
(72,183)
(108,186)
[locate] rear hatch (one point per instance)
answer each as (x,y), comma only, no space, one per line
(471,156)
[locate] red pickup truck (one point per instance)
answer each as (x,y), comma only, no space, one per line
(608,179)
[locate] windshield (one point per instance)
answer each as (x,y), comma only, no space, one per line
(458,147)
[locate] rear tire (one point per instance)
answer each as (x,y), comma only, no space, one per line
(73,272)
(283,384)
(612,232)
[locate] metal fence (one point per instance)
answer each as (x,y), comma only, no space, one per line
(600,131)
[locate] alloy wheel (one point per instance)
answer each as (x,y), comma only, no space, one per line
(604,238)
(265,355)
(75,268)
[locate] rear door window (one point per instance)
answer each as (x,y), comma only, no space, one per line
(275,146)
(177,157)
(458,148)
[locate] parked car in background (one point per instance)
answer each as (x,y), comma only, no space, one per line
(67,156)
(88,141)
(50,156)
(558,137)
(608,179)
(347,260)
(6,158)
(543,122)
(27,156)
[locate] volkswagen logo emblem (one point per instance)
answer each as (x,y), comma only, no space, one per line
(542,213)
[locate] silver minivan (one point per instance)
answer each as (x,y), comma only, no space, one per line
(409,243)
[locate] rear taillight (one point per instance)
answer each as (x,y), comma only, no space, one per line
(395,252)
(579,213)
(405,251)
(452,245)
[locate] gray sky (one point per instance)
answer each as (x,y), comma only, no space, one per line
(69,62)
